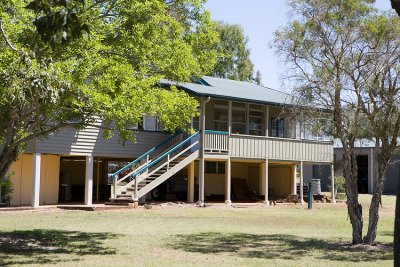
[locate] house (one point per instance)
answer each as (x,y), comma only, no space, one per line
(244,148)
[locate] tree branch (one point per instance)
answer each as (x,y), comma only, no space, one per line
(6,38)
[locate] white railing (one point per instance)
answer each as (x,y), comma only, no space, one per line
(217,142)
(247,146)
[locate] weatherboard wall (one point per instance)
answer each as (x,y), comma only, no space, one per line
(90,141)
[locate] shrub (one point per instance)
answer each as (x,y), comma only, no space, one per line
(6,190)
(339,184)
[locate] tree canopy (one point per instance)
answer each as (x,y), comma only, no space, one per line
(234,59)
(70,62)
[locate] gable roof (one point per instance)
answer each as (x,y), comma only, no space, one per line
(234,90)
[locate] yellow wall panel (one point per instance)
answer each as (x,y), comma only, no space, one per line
(49,179)
(26,181)
(51,187)
(279,178)
(21,177)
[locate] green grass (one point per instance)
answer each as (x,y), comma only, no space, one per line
(285,235)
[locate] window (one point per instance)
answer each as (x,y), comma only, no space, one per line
(196,123)
(215,167)
(238,118)
(277,127)
(151,123)
(220,115)
(317,129)
(255,120)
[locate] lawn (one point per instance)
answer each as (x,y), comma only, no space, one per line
(283,235)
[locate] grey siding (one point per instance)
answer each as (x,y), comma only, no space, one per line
(89,141)
(392,175)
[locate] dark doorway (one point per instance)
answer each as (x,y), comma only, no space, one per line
(362,174)
(72,179)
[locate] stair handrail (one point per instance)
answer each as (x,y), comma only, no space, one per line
(216,132)
(139,178)
(158,159)
(144,155)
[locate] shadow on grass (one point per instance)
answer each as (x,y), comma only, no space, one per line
(277,246)
(46,246)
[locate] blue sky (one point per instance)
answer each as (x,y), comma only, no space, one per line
(259,19)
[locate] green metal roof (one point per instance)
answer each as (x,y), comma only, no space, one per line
(234,90)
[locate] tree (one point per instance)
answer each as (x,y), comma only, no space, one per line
(396,237)
(97,59)
(234,59)
(343,58)
(378,94)
(396,241)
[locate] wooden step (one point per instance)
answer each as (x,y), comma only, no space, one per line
(117,201)
(128,196)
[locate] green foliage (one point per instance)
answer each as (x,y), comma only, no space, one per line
(55,71)
(234,59)
(57,21)
(340,184)
(6,189)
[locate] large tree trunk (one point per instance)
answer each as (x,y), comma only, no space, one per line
(379,173)
(354,208)
(374,212)
(396,241)
(373,219)
(7,157)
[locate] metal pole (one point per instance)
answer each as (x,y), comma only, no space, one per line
(333,184)
(301,184)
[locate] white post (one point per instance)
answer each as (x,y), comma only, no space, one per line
(264,167)
(230,117)
(135,198)
(115,186)
(266,121)
(89,180)
(97,179)
(201,159)
(190,190)
(333,183)
(301,183)
(35,180)
(247,119)
(228,183)
(294,184)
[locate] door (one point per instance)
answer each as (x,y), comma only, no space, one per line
(362,174)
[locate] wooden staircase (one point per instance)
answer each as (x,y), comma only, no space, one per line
(152,172)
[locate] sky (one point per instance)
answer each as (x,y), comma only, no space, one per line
(259,19)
